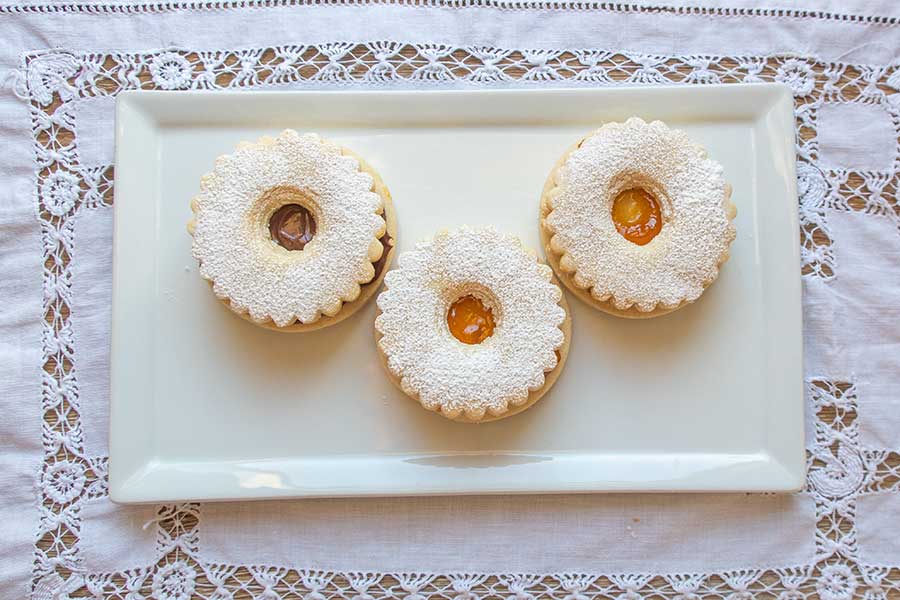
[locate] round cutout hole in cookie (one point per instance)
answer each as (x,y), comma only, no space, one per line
(637,215)
(292,227)
(470,321)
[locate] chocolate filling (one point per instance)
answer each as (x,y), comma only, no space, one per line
(386,245)
(292,227)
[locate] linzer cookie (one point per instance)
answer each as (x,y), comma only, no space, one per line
(294,233)
(636,220)
(472,326)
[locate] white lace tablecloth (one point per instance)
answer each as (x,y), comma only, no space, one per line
(62,65)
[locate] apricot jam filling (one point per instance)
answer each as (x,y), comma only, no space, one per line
(636,215)
(469,320)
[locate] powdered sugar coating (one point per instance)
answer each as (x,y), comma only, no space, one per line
(683,259)
(252,272)
(445,374)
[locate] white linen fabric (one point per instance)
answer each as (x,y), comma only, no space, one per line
(62,64)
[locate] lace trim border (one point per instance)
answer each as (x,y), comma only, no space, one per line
(574,5)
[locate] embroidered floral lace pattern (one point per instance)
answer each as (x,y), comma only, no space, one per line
(841,470)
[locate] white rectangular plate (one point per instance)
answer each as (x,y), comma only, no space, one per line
(208,406)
